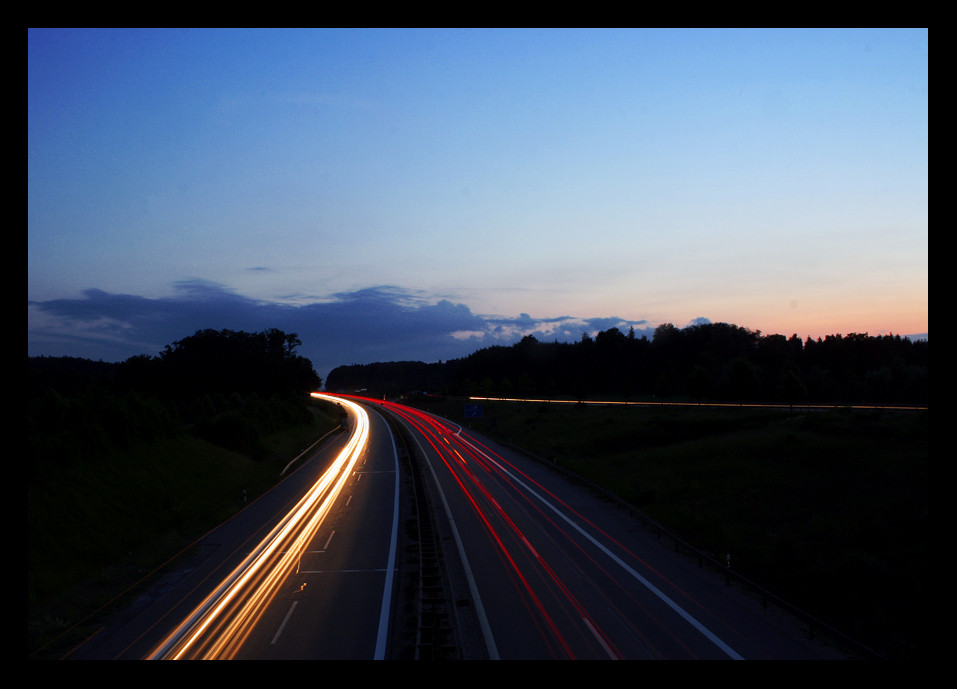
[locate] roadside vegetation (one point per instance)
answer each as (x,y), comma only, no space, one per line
(709,362)
(130,463)
(826,509)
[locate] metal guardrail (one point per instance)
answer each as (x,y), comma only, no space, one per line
(434,634)
(310,448)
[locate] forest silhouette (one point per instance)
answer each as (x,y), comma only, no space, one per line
(227,387)
(716,362)
(233,387)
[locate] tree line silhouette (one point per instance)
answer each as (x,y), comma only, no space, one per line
(233,387)
(228,387)
(717,362)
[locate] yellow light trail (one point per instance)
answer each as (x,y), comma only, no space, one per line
(220,624)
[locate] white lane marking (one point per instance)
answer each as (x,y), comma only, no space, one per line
(592,629)
(328,541)
(730,652)
(283,625)
(384,613)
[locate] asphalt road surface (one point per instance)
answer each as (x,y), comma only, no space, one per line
(545,569)
(337,562)
(304,572)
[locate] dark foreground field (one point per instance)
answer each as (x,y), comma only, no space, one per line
(826,509)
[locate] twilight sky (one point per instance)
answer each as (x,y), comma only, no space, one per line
(419,194)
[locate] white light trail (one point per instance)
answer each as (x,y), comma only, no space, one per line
(218,626)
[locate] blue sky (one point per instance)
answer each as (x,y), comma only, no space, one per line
(417,194)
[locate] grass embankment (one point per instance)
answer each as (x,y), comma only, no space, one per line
(828,510)
(97,528)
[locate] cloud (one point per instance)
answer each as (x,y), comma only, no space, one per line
(379,323)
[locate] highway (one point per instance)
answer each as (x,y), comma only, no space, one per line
(540,568)
(529,566)
(305,572)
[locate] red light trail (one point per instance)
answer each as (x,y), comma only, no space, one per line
(480,474)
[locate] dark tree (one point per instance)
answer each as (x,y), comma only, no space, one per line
(714,361)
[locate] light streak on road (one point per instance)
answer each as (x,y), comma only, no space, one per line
(524,564)
(218,626)
(730,652)
(717,405)
(474,469)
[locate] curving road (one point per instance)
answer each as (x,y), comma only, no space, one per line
(305,572)
(531,566)
(548,571)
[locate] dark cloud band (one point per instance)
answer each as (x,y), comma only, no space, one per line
(381,323)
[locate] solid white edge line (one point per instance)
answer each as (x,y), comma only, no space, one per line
(711,636)
(384,613)
(490,646)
